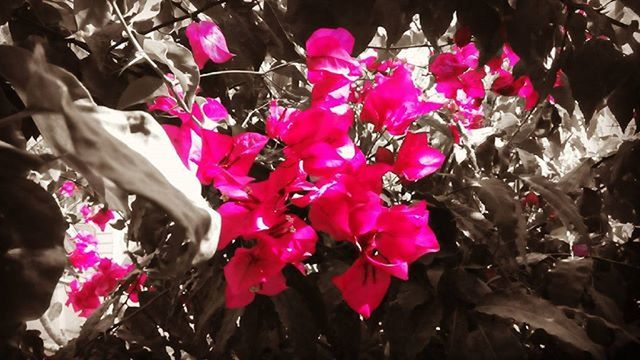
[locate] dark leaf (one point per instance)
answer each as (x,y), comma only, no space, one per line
(504,210)
(539,314)
(141,90)
(298,320)
(435,18)
(594,71)
(567,281)
(563,205)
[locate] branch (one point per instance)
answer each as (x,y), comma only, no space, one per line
(150,61)
(173,21)
(250,72)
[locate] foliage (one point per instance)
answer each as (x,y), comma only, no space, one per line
(366,206)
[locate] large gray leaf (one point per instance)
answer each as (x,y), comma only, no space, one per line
(539,314)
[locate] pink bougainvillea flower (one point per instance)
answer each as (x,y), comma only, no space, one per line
(331,92)
(384,155)
(291,239)
(207,43)
(504,84)
(84,256)
(136,286)
(188,144)
(252,270)
(363,286)
(101,218)
(446,66)
(395,104)
(68,188)
(404,233)
(83,298)
(320,138)
(107,276)
(86,238)
(85,211)
(416,159)
(226,161)
(279,120)
(329,51)
(472,84)
(528,93)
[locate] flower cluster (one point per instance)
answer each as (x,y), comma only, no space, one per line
(96,276)
(326,178)
(460,79)
(322,168)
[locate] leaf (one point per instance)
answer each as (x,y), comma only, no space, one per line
(560,202)
(228,327)
(435,18)
(567,281)
(298,320)
(539,314)
(504,211)
(140,90)
(129,149)
(91,14)
(179,60)
(594,71)
(493,339)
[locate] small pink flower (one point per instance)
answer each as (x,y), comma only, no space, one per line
(416,159)
(102,217)
(84,256)
(207,43)
(395,103)
(363,286)
(83,298)
(329,51)
(68,188)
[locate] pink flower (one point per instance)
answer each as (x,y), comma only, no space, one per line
(86,238)
(404,234)
(102,217)
(108,275)
(85,211)
(136,286)
(83,298)
(329,51)
(252,271)
(291,239)
(320,138)
(395,103)
(68,188)
(84,256)
(528,93)
(279,120)
(363,286)
(226,161)
(207,43)
(416,159)
(447,66)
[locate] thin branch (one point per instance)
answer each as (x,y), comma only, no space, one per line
(142,308)
(173,21)
(150,61)
(250,72)
(399,47)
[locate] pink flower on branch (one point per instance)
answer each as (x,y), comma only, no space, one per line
(416,159)
(68,188)
(207,43)
(395,103)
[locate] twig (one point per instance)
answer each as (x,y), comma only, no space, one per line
(142,308)
(250,72)
(173,21)
(154,66)
(399,47)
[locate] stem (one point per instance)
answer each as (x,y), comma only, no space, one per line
(250,72)
(154,66)
(173,21)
